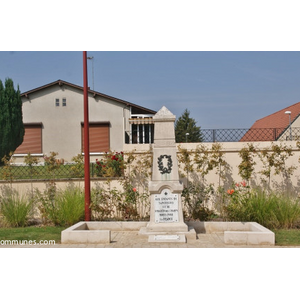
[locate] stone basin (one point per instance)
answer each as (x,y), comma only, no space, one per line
(235,233)
(96,232)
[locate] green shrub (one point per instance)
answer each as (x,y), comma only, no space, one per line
(16,210)
(194,197)
(69,207)
(102,205)
(108,204)
(128,204)
(111,204)
(77,169)
(268,209)
(112,165)
(260,208)
(287,212)
(63,208)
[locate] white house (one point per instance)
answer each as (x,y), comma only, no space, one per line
(53,119)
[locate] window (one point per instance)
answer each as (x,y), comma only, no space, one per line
(142,133)
(32,141)
(57,102)
(99,137)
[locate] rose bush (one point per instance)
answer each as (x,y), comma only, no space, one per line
(112,165)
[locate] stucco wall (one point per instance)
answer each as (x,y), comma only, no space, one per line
(231,156)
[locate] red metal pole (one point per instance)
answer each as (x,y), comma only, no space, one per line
(87,184)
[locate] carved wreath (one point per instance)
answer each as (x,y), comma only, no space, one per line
(161,167)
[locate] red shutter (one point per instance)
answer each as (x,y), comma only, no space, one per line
(32,141)
(99,137)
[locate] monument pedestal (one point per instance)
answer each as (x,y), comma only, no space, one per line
(166,216)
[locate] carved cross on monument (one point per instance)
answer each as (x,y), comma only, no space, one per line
(166,217)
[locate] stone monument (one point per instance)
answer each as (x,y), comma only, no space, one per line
(166,216)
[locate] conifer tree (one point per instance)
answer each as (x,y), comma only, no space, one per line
(185,124)
(11,118)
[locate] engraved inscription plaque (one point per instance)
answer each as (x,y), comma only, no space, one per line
(166,207)
(166,237)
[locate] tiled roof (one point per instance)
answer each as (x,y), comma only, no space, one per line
(276,124)
(94,93)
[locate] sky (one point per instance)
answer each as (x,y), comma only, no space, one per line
(221,89)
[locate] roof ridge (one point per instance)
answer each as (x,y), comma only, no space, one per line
(59,81)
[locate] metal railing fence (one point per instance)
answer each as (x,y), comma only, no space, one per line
(237,135)
(250,135)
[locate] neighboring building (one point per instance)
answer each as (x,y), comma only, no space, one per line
(53,119)
(276,126)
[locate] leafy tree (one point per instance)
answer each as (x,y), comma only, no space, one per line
(185,124)
(11,119)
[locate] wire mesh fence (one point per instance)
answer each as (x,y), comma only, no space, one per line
(66,171)
(250,135)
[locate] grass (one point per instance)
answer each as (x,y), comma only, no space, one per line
(32,233)
(287,237)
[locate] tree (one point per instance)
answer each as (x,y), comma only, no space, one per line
(11,119)
(186,125)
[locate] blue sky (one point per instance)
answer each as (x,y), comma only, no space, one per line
(221,89)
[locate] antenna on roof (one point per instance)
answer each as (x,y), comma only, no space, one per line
(92,59)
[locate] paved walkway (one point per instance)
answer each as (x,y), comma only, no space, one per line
(132,239)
